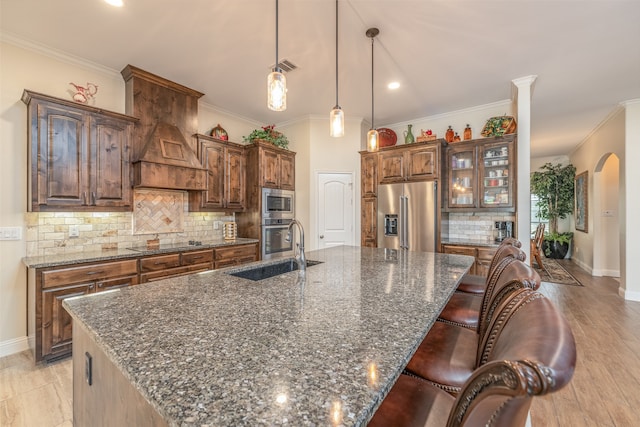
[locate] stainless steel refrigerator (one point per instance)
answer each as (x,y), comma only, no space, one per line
(407,215)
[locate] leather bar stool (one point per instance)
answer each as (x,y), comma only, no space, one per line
(463,309)
(476,284)
(448,355)
(533,354)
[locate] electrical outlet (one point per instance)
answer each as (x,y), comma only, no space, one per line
(73,231)
(216,225)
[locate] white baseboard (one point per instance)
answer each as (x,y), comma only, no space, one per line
(13,346)
(628,295)
(604,272)
(583,266)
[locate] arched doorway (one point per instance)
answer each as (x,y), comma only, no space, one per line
(606,217)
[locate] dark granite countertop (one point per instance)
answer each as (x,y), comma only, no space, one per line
(321,348)
(133,252)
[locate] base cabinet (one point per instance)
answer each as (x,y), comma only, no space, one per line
(49,322)
(482,254)
(50,326)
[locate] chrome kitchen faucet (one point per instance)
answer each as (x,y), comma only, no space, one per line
(300,258)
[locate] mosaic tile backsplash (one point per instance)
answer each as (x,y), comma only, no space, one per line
(47,233)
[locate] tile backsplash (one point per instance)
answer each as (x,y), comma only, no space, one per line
(475,226)
(47,233)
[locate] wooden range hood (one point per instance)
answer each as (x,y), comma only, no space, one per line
(162,156)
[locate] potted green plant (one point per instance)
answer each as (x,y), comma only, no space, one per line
(553,185)
(267,133)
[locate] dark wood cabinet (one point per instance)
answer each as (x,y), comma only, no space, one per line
(48,287)
(226,176)
(369,222)
(482,175)
(369,170)
(482,254)
(79,156)
(409,163)
(270,166)
(235,255)
(159,267)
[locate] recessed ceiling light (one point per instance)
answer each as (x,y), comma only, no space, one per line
(116,3)
(393,85)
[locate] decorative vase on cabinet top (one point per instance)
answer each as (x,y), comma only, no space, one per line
(408,136)
(448,136)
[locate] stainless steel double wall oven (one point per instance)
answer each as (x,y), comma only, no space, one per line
(278,209)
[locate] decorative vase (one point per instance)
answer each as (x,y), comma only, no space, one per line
(408,136)
(448,136)
(467,133)
(456,137)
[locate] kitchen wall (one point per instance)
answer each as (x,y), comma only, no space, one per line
(26,66)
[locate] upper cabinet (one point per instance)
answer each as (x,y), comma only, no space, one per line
(79,156)
(270,166)
(482,174)
(226,175)
(409,163)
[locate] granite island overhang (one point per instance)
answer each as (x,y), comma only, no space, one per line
(319,348)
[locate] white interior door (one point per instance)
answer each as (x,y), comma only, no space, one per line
(336,211)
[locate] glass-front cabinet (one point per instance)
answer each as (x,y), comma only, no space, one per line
(462,177)
(496,174)
(481,175)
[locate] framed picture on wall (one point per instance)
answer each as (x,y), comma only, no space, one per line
(582,202)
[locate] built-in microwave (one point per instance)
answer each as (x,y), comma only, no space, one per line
(277,204)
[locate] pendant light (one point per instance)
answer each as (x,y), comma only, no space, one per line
(277,82)
(372,135)
(336,117)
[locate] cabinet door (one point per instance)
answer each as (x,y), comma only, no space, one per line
(56,322)
(462,250)
(422,164)
(212,158)
(60,162)
(483,261)
(462,177)
(287,172)
(497,175)
(369,227)
(369,171)
(270,168)
(391,166)
(235,186)
(110,184)
(235,255)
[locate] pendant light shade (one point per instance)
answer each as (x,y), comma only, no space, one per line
(277,82)
(336,117)
(372,135)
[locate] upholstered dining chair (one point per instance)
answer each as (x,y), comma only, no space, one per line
(476,284)
(448,355)
(533,354)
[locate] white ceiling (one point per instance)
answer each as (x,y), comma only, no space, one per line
(447,54)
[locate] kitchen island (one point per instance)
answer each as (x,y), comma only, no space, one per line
(320,348)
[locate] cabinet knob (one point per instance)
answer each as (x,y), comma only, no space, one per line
(322,236)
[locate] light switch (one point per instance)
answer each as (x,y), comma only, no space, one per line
(73,231)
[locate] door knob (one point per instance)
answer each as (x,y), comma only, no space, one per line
(322,236)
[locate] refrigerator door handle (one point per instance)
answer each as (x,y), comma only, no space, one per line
(405,226)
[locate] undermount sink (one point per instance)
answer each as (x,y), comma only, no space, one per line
(270,270)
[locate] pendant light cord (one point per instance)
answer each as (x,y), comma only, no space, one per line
(337,104)
(372,103)
(276,68)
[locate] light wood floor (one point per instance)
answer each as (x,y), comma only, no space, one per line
(605,390)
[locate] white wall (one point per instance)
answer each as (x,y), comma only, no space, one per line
(606,218)
(608,138)
(630,205)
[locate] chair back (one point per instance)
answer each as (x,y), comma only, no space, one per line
(511,241)
(529,350)
(539,237)
(502,252)
(510,275)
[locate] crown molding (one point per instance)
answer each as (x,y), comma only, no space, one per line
(504,102)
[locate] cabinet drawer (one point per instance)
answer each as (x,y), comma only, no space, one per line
(486,254)
(198,257)
(174,272)
(157,263)
(460,250)
(88,273)
(234,261)
(239,251)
